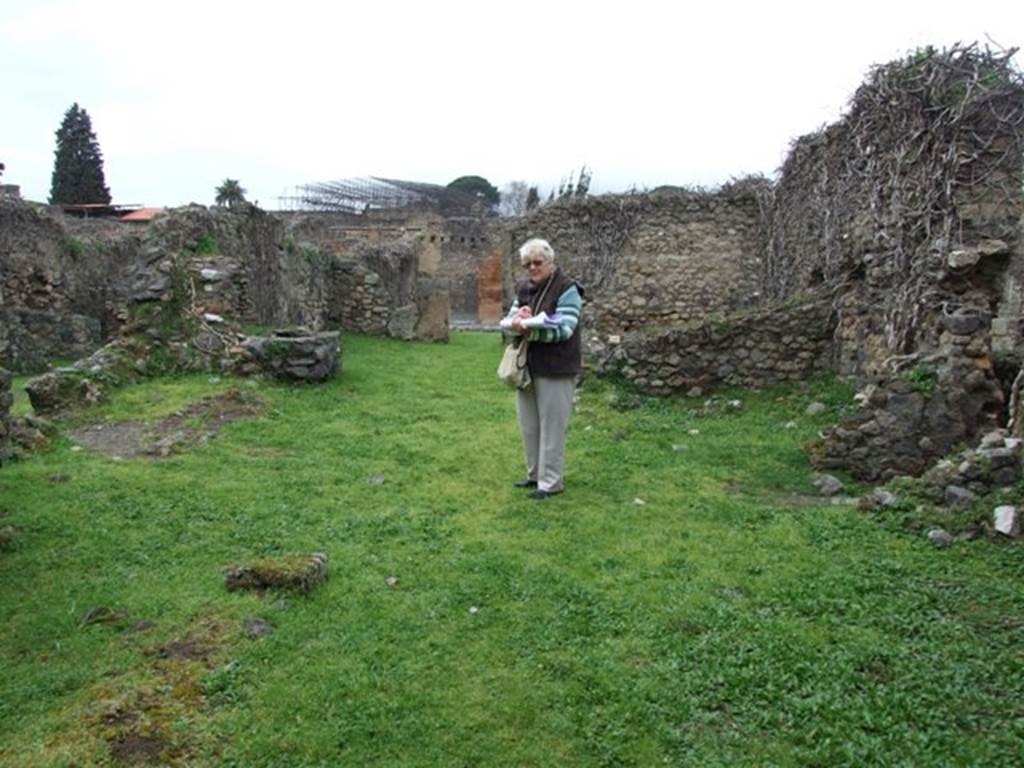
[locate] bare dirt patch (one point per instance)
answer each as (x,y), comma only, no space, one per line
(184,650)
(136,749)
(188,427)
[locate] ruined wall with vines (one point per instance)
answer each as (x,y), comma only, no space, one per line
(909,211)
(910,204)
(659,259)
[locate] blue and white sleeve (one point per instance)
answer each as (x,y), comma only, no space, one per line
(570,304)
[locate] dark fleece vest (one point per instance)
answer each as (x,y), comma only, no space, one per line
(562,358)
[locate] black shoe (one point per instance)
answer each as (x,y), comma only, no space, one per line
(527,483)
(540,495)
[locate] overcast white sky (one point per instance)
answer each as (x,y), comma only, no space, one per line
(184,94)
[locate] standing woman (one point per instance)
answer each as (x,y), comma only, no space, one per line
(554,357)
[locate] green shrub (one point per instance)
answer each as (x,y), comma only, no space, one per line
(206,245)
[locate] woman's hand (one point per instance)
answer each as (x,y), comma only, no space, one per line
(517,321)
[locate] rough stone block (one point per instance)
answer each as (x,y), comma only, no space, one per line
(299,573)
(999,457)
(940,537)
(290,355)
(958,496)
(62,390)
(827,485)
(402,324)
(963,258)
(1004,476)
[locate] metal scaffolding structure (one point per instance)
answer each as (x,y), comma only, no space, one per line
(359,195)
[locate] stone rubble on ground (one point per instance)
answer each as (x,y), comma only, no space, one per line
(940,537)
(827,485)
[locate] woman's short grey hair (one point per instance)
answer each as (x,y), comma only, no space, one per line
(536,247)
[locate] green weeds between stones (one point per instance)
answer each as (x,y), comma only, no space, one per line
(669,608)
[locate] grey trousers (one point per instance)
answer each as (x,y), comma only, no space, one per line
(544,410)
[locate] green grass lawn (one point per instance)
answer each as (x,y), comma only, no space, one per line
(676,606)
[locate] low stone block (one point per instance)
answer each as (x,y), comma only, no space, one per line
(62,390)
(300,573)
(295,354)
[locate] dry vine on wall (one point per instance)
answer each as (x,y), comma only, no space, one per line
(928,155)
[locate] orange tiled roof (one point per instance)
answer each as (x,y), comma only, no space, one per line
(143,214)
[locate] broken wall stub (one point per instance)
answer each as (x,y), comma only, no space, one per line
(245,267)
(765,346)
(910,209)
(69,286)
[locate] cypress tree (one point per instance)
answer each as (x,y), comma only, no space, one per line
(78,162)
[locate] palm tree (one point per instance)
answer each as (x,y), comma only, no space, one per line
(230,193)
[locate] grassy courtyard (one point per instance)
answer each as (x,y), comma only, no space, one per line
(687,601)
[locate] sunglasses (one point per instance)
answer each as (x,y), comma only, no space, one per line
(528,264)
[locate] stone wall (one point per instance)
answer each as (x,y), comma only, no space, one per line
(69,286)
(762,347)
(243,267)
(58,292)
(657,259)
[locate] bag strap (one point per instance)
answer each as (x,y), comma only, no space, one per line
(535,306)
